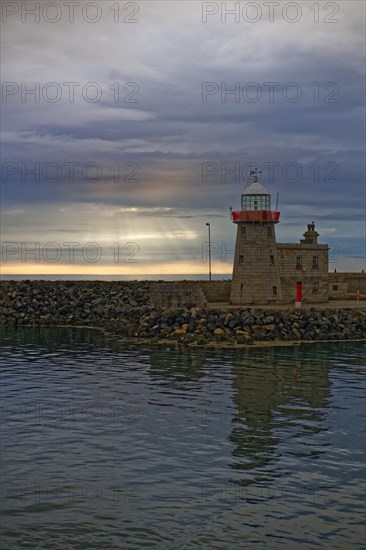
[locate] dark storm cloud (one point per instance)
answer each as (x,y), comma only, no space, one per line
(170,132)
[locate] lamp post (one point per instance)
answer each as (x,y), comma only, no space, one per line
(209,251)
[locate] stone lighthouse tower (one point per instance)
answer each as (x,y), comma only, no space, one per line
(256,273)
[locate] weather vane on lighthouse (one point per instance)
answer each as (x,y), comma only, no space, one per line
(254,175)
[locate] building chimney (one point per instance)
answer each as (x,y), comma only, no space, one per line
(311,236)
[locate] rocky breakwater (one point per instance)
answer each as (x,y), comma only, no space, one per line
(243,326)
(86,303)
(123,309)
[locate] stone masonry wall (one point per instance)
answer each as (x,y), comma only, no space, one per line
(256,276)
(216,291)
(177,294)
(344,285)
(197,293)
(314,280)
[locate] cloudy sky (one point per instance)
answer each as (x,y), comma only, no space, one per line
(127,126)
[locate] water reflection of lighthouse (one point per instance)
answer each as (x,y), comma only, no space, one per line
(275,391)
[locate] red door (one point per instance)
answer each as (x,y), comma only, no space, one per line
(298,292)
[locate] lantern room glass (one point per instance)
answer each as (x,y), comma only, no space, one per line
(256,202)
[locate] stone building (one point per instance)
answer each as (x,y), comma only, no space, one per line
(265,271)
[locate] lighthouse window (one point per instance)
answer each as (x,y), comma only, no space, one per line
(298,261)
(271,260)
(274,291)
(243,231)
(315,262)
(241,260)
(315,286)
(269,231)
(255,202)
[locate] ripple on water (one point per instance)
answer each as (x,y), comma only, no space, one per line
(108,447)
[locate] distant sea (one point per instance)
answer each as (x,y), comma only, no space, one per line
(142,277)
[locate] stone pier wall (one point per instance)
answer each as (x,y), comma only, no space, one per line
(344,285)
(177,294)
(189,293)
(216,291)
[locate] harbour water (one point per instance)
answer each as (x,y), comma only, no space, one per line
(111,447)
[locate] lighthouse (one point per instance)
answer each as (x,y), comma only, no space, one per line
(256,271)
